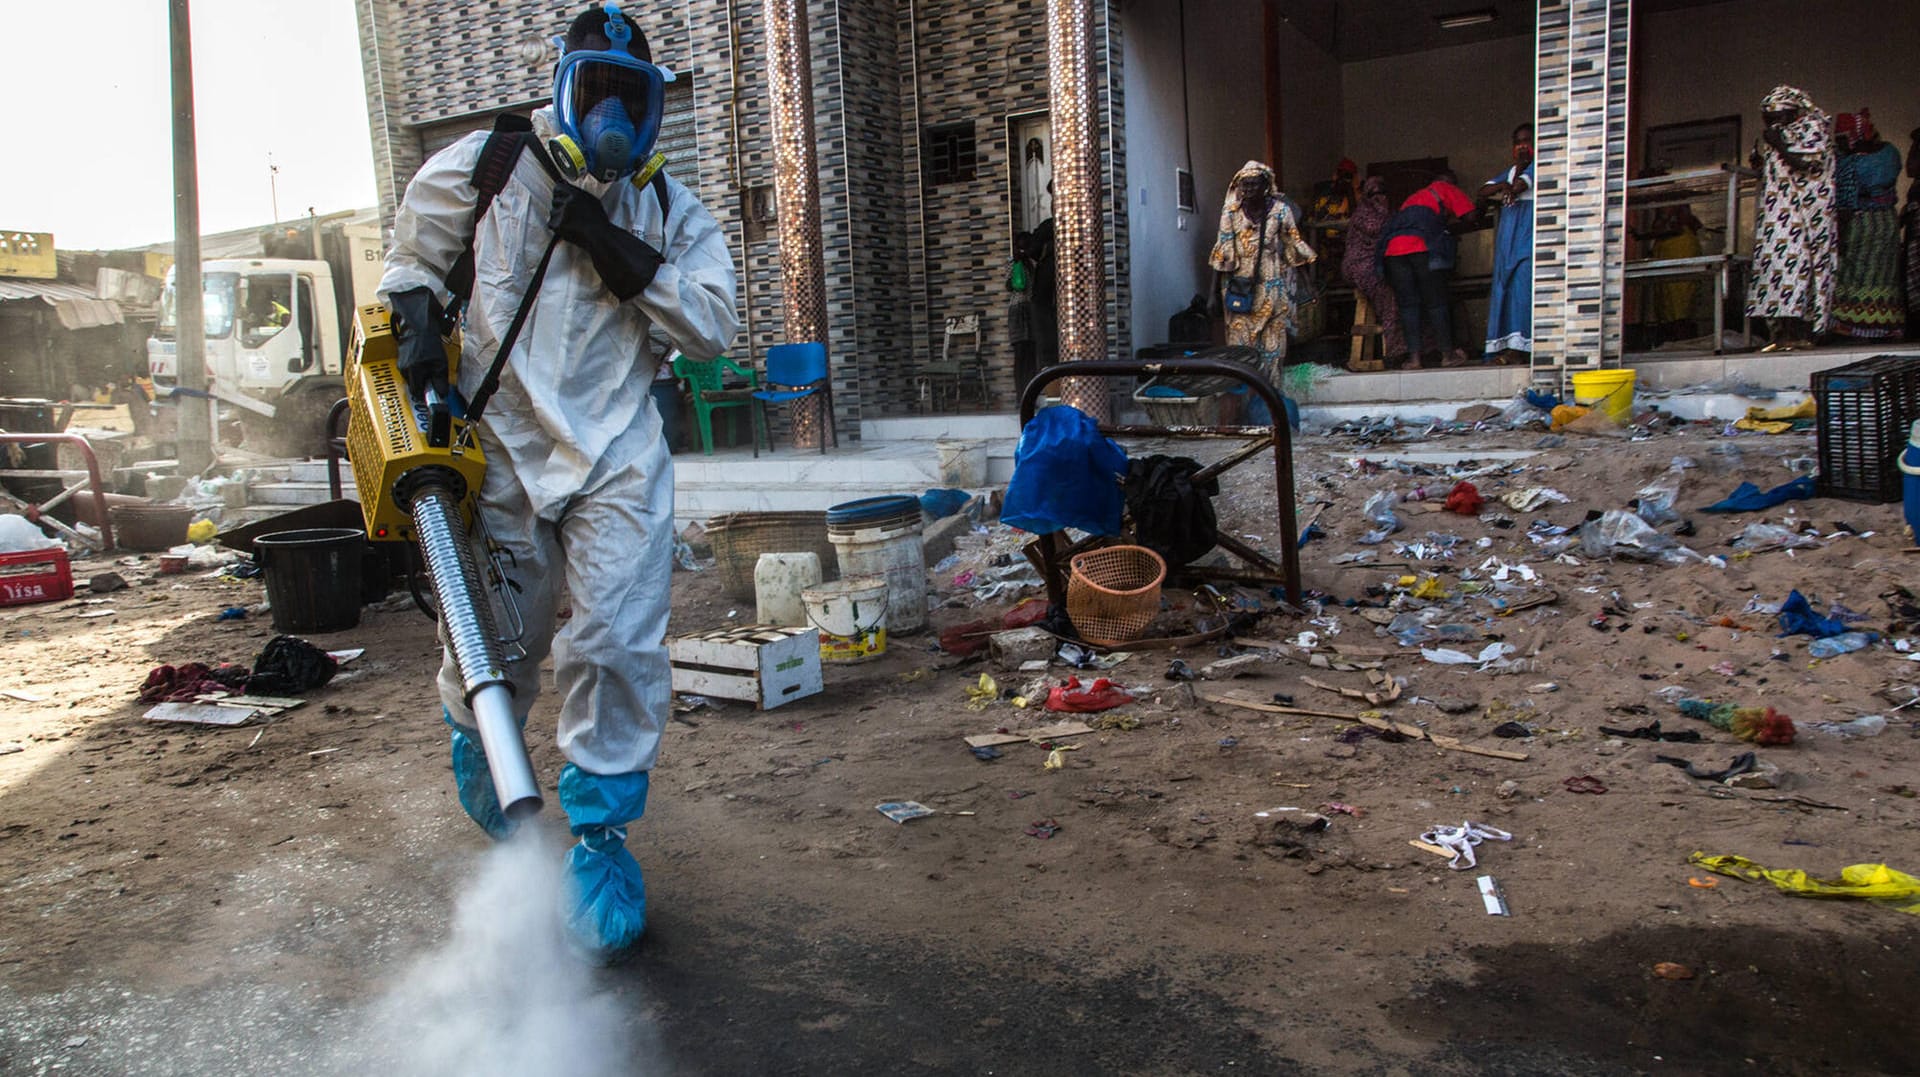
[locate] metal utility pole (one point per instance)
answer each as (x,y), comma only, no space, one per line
(195,414)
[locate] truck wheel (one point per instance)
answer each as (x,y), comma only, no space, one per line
(298,428)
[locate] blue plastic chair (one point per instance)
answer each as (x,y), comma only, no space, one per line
(802,370)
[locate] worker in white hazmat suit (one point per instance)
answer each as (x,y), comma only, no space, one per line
(579,483)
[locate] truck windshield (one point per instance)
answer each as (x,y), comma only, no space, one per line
(216,306)
(266,306)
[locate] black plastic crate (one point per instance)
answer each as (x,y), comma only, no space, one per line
(1865,411)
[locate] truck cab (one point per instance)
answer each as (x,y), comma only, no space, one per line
(276,327)
(269,324)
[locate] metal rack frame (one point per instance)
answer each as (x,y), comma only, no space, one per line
(1278,435)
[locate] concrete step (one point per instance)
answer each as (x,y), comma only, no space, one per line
(293,493)
(935,427)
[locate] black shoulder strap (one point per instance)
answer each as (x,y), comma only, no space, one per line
(497,160)
(659,185)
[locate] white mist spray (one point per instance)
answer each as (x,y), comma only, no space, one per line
(504,994)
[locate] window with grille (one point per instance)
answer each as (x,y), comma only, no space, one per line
(950,155)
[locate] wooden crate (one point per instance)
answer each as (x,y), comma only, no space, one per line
(761,664)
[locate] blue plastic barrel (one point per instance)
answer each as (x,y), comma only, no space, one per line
(872,512)
(1910,481)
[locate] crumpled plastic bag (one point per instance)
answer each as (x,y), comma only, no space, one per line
(1066,473)
(1869,882)
(981,695)
(1447,656)
(1076,698)
(1379,510)
(1798,619)
(1620,534)
(289,665)
(1770,536)
(1654,502)
(19,534)
(1533,497)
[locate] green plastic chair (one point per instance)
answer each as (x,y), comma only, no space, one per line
(707,386)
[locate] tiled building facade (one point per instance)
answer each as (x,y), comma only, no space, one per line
(901,255)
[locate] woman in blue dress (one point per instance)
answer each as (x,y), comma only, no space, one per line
(1510,308)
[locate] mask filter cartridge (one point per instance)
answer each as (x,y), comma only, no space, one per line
(609,135)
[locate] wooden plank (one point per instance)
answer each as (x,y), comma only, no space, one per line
(283,703)
(1429,847)
(718,685)
(1452,744)
(1057,731)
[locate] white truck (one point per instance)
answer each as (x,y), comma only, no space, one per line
(277,326)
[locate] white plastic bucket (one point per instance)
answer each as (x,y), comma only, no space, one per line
(963,464)
(778,579)
(851,615)
(893,553)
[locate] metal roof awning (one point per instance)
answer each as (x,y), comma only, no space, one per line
(76,305)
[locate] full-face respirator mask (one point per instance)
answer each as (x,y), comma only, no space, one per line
(607,104)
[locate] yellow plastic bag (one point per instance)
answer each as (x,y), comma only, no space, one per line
(1871,882)
(979,696)
(200,531)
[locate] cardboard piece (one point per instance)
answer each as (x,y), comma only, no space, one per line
(1056,731)
(203,714)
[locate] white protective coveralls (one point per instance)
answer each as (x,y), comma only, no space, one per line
(579,483)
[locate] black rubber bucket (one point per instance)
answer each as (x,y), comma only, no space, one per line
(313,577)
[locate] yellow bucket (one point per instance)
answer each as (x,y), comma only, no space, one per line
(1610,391)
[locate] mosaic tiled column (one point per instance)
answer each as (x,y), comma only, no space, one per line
(1580,207)
(1076,198)
(796,186)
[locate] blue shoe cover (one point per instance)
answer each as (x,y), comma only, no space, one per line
(474,782)
(605,900)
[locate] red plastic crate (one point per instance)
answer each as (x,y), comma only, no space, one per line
(35,576)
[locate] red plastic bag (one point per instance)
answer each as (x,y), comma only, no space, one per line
(968,638)
(1075,698)
(1465,499)
(1027,614)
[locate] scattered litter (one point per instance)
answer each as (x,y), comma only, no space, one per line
(1460,840)
(1760,725)
(1379,511)
(22,697)
(1042,828)
(1652,731)
(902,810)
(1116,723)
(1057,756)
(232,613)
(1742,764)
(1702,884)
(1750,498)
(1334,807)
(1038,735)
(1867,725)
(1492,652)
(107,582)
(982,694)
(1871,882)
(1669,970)
(1584,783)
(986,753)
(1494,898)
(1075,698)
(1798,619)
(1533,497)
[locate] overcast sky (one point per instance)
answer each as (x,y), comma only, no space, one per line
(91,157)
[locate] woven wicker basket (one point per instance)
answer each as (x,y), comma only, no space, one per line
(739,538)
(1114,592)
(150,527)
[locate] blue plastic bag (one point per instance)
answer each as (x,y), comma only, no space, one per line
(1798,619)
(1066,473)
(940,504)
(1750,498)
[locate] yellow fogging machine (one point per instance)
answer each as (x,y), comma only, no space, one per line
(418,467)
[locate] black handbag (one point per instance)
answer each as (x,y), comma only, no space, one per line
(1240,295)
(1239,290)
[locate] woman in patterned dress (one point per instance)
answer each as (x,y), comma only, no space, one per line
(1259,239)
(1866,293)
(1793,244)
(1361,262)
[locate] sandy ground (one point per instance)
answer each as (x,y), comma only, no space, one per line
(184,900)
